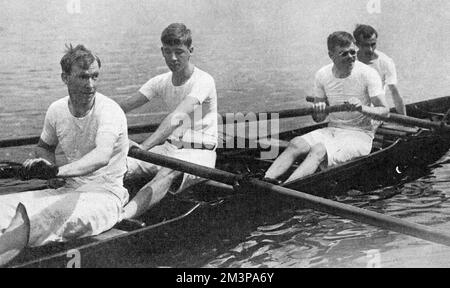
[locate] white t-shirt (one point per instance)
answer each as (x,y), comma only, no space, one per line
(363,83)
(201,86)
(76,136)
(386,68)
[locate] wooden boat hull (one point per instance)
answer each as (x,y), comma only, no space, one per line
(210,210)
(398,162)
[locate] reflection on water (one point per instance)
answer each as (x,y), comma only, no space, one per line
(312,239)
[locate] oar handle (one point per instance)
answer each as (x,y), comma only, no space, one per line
(403,119)
(32,140)
(309,110)
(410,121)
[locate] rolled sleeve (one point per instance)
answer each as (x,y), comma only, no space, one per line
(150,88)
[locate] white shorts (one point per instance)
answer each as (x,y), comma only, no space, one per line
(197,156)
(60,215)
(342,145)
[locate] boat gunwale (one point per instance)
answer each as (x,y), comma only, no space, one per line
(344,166)
(94,243)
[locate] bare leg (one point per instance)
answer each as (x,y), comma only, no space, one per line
(151,193)
(296,148)
(316,156)
(16,236)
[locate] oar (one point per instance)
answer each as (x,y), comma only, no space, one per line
(310,201)
(410,121)
(289,113)
(405,120)
(148,128)
(22,141)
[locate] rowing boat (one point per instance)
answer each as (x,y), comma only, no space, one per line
(399,154)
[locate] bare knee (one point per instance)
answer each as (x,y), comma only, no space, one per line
(298,146)
(318,151)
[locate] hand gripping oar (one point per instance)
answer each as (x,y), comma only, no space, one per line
(404,120)
(39,170)
(310,201)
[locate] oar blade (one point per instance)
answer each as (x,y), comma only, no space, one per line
(15,238)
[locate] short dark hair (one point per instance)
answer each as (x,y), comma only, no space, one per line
(80,55)
(177,34)
(364,32)
(339,39)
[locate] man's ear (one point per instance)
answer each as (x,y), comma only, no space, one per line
(191,50)
(64,78)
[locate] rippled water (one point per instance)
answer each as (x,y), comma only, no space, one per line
(263,56)
(311,239)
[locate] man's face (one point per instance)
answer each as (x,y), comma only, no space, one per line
(176,56)
(367,46)
(344,57)
(82,83)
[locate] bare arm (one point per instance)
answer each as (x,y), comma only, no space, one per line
(380,106)
(94,160)
(398,100)
(133,102)
(174,120)
(45,151)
